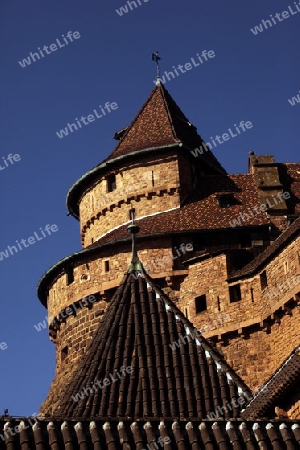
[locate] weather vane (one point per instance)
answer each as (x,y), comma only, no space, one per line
(156,58)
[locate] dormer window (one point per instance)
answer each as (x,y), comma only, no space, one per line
(225,199)
(111,183)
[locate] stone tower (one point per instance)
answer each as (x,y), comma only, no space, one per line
(184,205)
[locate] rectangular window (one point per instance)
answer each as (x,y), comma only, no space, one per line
(106,266)
(111,183)
(263,280)
(235,293)
(70,275)
(132,214)
(286,267)
(64,353)
(200,303)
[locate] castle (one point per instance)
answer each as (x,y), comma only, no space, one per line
(194,318)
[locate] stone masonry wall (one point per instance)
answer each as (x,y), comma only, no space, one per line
(149,188)
(257,333)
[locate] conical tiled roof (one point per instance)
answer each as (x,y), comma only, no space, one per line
(159,123)
(154,361)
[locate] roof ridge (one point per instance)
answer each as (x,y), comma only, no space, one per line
(177,312)
(163,91)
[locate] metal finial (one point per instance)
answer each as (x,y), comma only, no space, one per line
(133,229)
(157,58)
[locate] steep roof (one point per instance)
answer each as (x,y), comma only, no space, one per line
(276,389)
(159,123)
(165,434)
(175,372)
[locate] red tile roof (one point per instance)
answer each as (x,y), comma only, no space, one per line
(129,435)
(262,259)
(174,372)
(159,123)
(277,388)
(202,210)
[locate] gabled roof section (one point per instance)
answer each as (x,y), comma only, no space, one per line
(159,123)
(174,372)
(276,389)
(263,258)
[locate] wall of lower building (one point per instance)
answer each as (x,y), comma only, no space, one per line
(256,333)
(294,411)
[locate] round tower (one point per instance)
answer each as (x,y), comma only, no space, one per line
(150,172)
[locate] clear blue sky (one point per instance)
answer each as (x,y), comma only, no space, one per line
(251,78)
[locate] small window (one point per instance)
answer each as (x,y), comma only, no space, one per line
(64,353)
(286,267)
(200,303)
(70,275)
(263,280)
(132,214)
(235,293)
(225,200)
(245,240)
(106,266)
(111,183)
